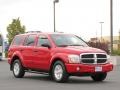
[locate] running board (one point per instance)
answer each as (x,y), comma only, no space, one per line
(37,72)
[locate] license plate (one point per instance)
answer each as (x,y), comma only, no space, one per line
(98,69)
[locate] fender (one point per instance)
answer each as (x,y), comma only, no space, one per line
(18,54)
(62,56)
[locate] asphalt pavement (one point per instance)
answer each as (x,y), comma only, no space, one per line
(33,81)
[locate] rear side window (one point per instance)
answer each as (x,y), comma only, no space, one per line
(30,40)
(17,40)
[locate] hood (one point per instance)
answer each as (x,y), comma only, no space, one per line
(80,49)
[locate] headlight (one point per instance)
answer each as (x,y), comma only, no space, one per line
(74,59)
(108,56)
(109,59)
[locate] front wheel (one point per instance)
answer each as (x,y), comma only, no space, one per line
(99,76)
(17,69)
(59,72)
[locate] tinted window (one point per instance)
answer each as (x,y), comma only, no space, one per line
(30,40)
(18,40)
(42,40)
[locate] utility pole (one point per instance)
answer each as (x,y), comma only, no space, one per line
(119,41)
(101,30)
(111,26)
(119,36)
(54,2)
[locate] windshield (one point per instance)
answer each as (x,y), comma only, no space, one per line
(62,40)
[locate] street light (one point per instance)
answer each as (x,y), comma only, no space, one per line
(54,2)
(111,26)
(101,30)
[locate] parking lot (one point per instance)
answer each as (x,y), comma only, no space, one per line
(40,82)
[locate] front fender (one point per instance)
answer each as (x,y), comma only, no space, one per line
(60,56)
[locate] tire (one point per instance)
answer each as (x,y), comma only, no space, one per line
(99,76)
(61,75)
(17,68)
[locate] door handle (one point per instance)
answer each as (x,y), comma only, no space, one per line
(35,50)
(21,50)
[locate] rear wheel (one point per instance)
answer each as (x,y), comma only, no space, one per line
(17,69)
(99,76)
(59,73)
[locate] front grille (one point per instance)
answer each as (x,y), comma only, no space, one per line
(88,61)
(88,56)
(101,60)
(93,58)
(101,56)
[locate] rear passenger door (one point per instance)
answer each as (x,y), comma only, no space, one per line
(28,50)
(42,54)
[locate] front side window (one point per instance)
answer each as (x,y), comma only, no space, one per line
(67,40)
(30,40)
(42,39)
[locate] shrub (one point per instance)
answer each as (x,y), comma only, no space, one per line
(116,52)
(100,45)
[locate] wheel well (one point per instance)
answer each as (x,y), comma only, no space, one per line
(13,59)
(55,60)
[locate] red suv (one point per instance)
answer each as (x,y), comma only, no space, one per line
(58,54)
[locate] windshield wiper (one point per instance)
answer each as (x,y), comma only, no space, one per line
(62,45)
(70,45)
(76,45)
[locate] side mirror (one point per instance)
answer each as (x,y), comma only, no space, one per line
(46,45)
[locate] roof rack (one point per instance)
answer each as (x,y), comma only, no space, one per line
(33,32)
(58,32)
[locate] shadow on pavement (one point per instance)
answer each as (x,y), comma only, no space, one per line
(72,80)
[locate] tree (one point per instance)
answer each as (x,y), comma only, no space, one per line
(14,28)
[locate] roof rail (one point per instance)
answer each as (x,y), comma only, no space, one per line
(33,32)
(58,32)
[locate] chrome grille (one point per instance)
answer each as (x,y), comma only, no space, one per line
(101,56)
(93,58)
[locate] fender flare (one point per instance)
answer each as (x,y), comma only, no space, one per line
(18,55)
(63,57)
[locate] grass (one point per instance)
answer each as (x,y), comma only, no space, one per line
(116,52)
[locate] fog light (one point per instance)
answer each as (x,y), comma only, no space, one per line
(78,69)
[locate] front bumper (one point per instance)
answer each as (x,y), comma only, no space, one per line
(9,60)
(85,68)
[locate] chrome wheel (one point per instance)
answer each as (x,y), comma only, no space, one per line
(16,69)
(58,72)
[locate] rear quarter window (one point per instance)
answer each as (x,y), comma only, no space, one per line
(18,40)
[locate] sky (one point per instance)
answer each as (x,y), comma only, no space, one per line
(79,17)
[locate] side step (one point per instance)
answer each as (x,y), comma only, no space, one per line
(37,72)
